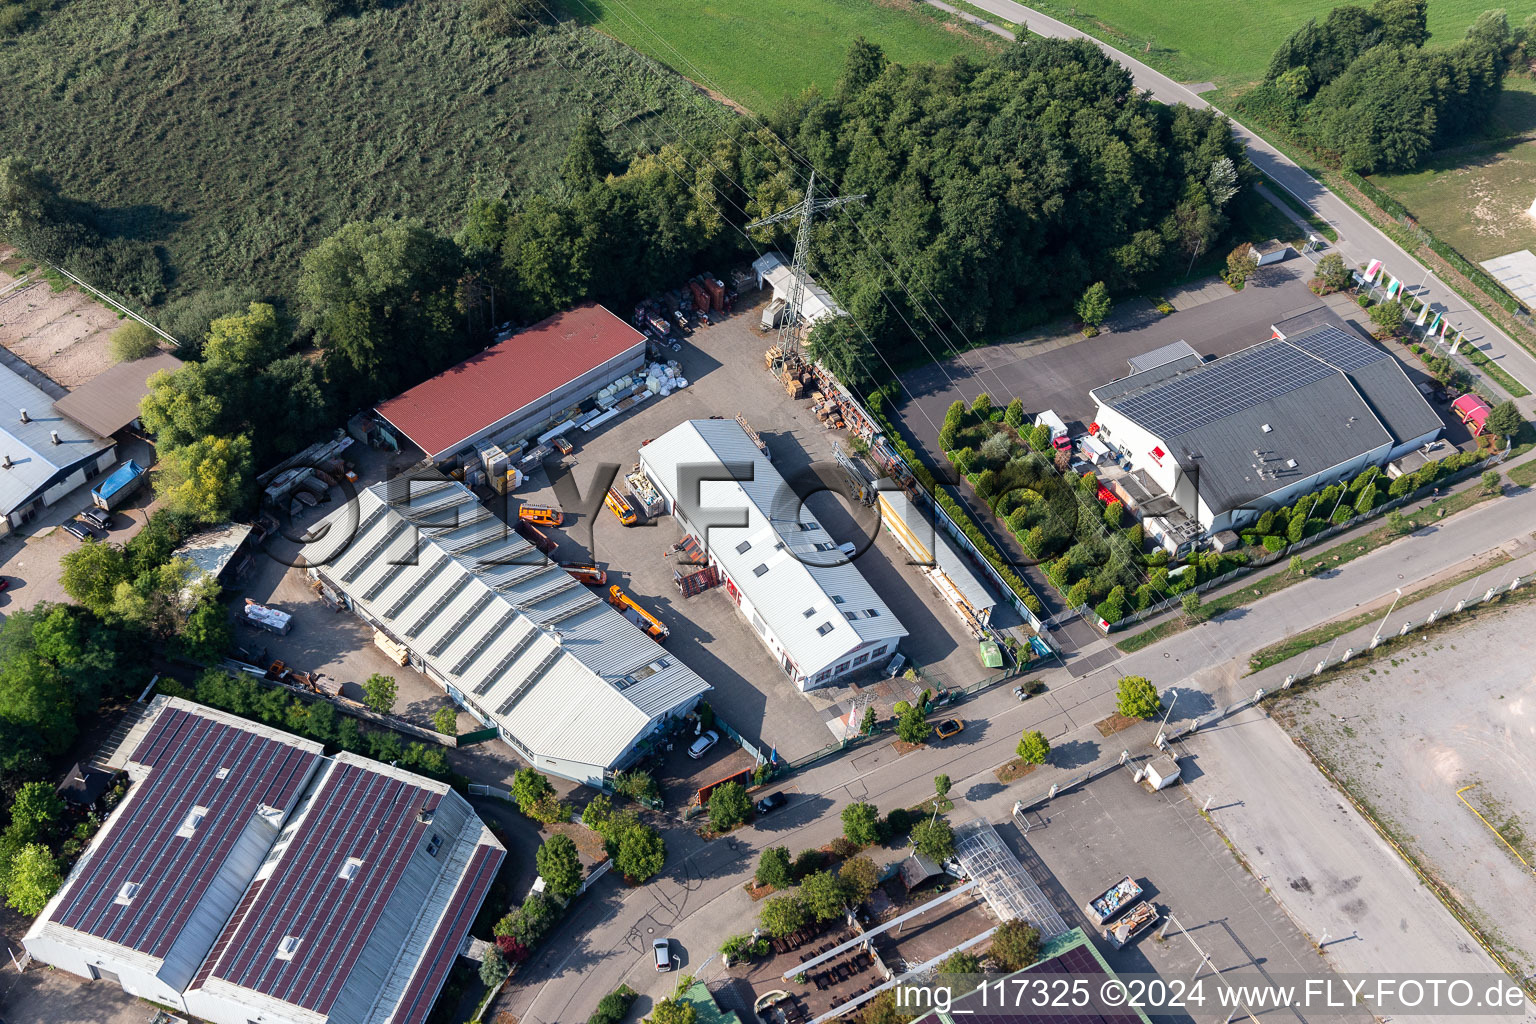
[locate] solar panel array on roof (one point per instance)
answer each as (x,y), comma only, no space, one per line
(1337,348)
(1219,389)
(151,843)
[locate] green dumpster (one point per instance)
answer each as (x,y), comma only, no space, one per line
(991,654)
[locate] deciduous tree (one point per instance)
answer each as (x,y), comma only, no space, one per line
(1136,697)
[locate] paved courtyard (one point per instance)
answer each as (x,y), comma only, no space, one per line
(1084,841)
(724,364)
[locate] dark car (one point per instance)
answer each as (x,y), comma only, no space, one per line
(771,802)
(79,530)
(98,517)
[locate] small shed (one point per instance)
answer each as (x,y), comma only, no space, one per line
(1272,251)
(917,869)
(1226,540)
(1162,772)
(84,786)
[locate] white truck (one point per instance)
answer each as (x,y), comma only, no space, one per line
(1059,439)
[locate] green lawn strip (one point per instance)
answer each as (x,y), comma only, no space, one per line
(1288,648)
(1302,210)
(730,47)
(1523,475)
(1478,358)
(984,15)
(1248,590)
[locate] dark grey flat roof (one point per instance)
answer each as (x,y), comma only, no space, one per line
(1278,412)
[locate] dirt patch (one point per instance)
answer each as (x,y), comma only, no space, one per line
(1114,723)
(758,892)
(1013,770)
(588,843)
(903,747)
(62,334)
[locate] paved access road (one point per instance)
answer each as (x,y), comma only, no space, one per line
(1359,239)
(699,899)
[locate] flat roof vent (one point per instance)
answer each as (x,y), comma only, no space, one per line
(424,815)
(1290,463)
(1266,428)
(350,868)
(126,894)
(288,947)
(222,773)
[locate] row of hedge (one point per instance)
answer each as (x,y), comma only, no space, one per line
(925,478)
(318,720)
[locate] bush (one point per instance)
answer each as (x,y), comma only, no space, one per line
(493,969)
(1275,544)
(1136,697)
(133,341)
(638,853)
(1033,747)
(1015,945)
(934,839)
(728,806)
(861,823)
(613,1007)
(446,720)
(807,862)
(773,868)
(559,865)
(1014,414)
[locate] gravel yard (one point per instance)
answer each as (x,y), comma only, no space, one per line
(1443,727)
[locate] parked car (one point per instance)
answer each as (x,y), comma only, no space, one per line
(703,743)
(5,584)
(79,530)
(949,727)
(98,517)
(662,948)
(771,802)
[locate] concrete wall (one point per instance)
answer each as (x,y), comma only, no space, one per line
(67,954)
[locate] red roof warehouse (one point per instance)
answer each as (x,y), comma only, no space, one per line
(518,385)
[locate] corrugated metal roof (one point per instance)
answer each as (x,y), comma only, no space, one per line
(109,401)
(36,462)
(805,573)
(512,633)
(777,274)
(441,415)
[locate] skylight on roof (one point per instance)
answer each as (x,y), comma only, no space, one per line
(222,773)
(743,547)
(808,612)
(760,570)
(824,628)
(193,819)
(126,894)
(350,869)
(288,947)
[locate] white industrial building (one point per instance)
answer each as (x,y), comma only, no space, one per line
(247,877)
(512,638)
(43,454)
(807,602)
(1255,430)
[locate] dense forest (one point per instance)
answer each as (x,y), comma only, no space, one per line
(997,192)
(1362,88)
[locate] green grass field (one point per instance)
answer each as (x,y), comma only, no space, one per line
(1226,42)
(239,134)
(1477,197)
(757,54)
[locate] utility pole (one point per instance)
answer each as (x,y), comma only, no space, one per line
(806,209)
